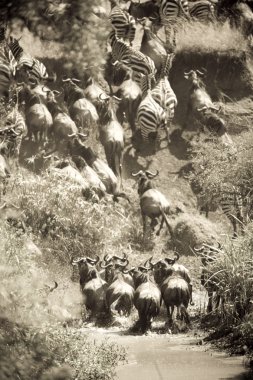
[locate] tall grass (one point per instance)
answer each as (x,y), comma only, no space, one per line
(215,36)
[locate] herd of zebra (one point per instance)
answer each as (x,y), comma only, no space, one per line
(146,99)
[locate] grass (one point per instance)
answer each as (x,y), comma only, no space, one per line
(215,36)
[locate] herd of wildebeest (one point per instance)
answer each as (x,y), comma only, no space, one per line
(134,91)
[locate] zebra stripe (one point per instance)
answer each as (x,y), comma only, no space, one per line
(150,116)
(122,23)
(137,61)
(16,122)
(170,10)
(8,66)
(163,93)
(202,10)
(36,68)
(231,203)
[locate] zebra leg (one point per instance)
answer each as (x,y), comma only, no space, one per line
(161,226)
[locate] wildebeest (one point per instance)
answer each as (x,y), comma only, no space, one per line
(152,46)
(201,106)
(92,286)
(38,119)
(153,203)
(93,91)
(147,297)
(63,125)
(77,148)
(119,295)
(111,135)
(81,110)
(149,9)
(65,169)
(130,94)
(162,266)
(175,290)
(90,176)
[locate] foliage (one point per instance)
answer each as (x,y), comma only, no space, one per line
(72,23)
(232,271)
(33,344)
(235,170)
(55,209)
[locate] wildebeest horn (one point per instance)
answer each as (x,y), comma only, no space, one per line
(107,258)
(103,96)
(82,134)
(15,133)
(66,80)
(53,287)
(17,207)
(72,135)
(210,247)
(199,72)
(202,108)
(75,80)
(47,90)
(56,91)
(3,206)
(148,261)
(74,262)
(188,73)
(116,97)
(126,271)
(92,261)
(124,258)
(20,83)
(148,172)
(48,156)
(198,249)
(115,63)
(143,269)
(169,260)
(138,173)
(104,266)
(176,256)
(122,265)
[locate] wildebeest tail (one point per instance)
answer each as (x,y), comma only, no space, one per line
(166,221)
(122,305)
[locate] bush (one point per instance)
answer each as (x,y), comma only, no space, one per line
(232,272)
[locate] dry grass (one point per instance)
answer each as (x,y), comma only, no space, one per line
(217,37)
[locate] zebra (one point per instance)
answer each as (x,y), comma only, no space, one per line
(13,133)
(8,66)
(172,12)
(137,61)
(163,93)
(122,22)
(32,66)
(202,10)
(151,117)
(232,202)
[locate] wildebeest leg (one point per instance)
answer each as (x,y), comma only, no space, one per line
(234,224)
(153,223)
(161,226)
(144,222)
(184,314)
(210,301)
